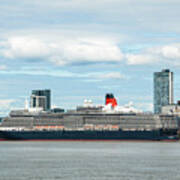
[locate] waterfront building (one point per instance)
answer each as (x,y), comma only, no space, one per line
(41,99)
(163,89)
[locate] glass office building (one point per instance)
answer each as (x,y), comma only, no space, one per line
(163,89)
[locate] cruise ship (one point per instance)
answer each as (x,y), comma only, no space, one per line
(89,122)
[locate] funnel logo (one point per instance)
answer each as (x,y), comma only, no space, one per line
(110,99)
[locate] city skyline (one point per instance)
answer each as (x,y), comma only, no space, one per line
(84,49)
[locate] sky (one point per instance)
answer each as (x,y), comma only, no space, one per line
(83,49)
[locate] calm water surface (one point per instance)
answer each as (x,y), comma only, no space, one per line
(90,160)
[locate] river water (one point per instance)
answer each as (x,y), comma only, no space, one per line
(89,160)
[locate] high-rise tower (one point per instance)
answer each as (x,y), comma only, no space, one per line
(41,98)
(163,89)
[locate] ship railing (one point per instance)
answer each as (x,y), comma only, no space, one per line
(12,128)
(100,127)
(135,129)
(48,127)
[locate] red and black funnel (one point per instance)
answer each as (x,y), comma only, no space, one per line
(110,99)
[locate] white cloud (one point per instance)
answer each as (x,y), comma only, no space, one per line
(169,53)
(172,52)
(24,47)
(63,50)
(127,16)
(166,54)
(138,59)
(68,48)
(95,76)
(47,72)
(111,75)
